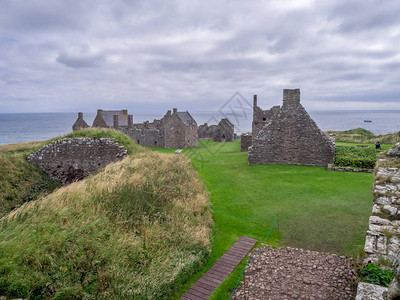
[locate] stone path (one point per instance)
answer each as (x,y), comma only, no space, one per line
(289,273)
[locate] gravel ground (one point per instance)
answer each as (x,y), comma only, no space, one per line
(290,273)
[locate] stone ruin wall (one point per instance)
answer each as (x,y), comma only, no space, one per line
(383,235)
(69,160)
(261,117)
(144,136)
(191,136)
(207,132)
(291,137)
(245,142)
(225,131)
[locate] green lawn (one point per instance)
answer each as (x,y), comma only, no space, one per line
(317,209)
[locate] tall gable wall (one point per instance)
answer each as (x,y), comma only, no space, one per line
(291,137)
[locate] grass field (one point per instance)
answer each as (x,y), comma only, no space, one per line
(317,209)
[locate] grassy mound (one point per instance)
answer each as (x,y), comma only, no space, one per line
(136,230)
(361,135)
(21,181)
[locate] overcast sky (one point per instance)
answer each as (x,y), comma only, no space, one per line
(59,56)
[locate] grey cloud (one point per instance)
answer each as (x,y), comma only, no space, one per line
(77,62)
(361,15)
(157,53)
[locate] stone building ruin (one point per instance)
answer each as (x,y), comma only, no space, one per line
(288,135)
(174,130)
(223,132)
(79,123)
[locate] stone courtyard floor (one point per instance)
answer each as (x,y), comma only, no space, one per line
(289,273)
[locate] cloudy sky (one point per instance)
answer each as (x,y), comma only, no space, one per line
(68,55)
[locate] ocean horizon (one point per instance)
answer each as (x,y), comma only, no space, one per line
(28,127)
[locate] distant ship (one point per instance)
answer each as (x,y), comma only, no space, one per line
(367,121)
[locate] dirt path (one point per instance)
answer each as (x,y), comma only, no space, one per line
(289,273)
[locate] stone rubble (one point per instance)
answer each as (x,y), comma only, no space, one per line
(290,273)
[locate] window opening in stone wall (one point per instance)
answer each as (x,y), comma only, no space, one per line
(264,119)
(155,143)
(138,141)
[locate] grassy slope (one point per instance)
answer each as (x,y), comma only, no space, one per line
(21,181)
(318,210)
(136,229)
(360,135)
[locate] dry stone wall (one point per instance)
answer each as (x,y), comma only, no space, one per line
(69,160)
(383,235)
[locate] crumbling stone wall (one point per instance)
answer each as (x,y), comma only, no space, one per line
(145,136)
(383,235)
(261,117)
(291,137)
(223,132)
(246,142)
(69,160)
(207,132)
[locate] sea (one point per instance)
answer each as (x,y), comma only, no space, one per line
(27,127)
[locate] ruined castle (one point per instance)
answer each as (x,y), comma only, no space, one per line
(223,132)
(287,135)
(174,130)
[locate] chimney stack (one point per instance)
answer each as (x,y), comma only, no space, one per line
(130,121)
(175,110)
(291,97)
(254,102)
(115,121)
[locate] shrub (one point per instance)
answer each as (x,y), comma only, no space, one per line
(376,275)
(363,158)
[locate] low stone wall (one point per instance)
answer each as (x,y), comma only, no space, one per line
(331,167)
(69,160)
